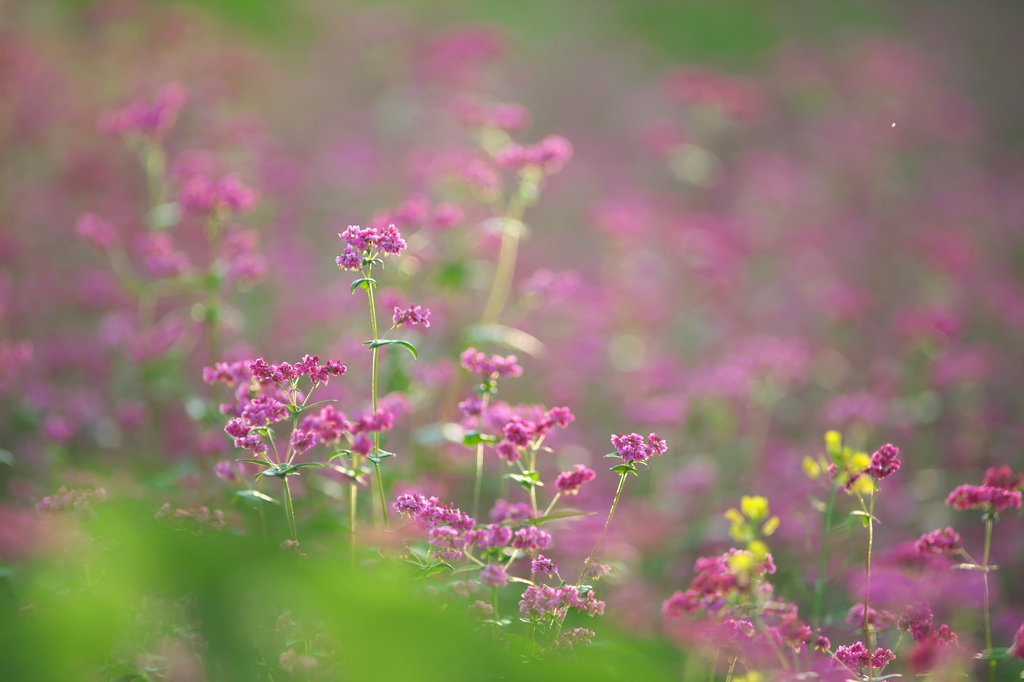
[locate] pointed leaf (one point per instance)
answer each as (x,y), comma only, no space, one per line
(296,410)
(393,342)
(623,469)
(612,454)
(556,516)
(365,283)
(339,453)
(471,438)
(254,498)
(261,462)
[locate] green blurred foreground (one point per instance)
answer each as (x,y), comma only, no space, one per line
(222,607)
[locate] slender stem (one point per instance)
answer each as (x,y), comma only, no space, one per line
(819,598)
(989,522)
(373,396)
(353,494)
(552,505)
(263,512)
(533,488)
(611,512)
(478,483)
(524,195)
(732,666)
(867,588)
(289,509)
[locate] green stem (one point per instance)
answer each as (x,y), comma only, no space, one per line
(373,396)
(819,598)
(989,522)
(289,509)
(524,195)
(552,505)
(732,666)
(867,588)
(608,522)
(353,494)
(478,483)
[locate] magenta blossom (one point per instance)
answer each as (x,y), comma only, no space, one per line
(569,482)
(633,449)
(412,315)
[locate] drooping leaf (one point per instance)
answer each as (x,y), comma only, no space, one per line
(392,342)
(623,469)
(557,515)
(365,283)
(254,498)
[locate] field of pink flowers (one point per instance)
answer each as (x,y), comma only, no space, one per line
(419,351)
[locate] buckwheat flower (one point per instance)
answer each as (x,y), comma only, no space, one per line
(741,629)
(508,452)
(511,157)
(251,442)
(412,315)
(884,462)
(329,425)
(390,241)
(302,440)
(540,601)
(198,196)
(381,420)
(447,215)
(876,619)
(516,512)
(309,363)
(544,565)
(556,416)
(821,644)
(680,604)
(1018,643)
(575,636)
(359,238)
(633,449)
(480,177)
(519,432)
(227,471)
(237,428)
(227,373)
(509,116)
(410,504)
(159,256)
(552,154)
(983,497)
(493,536)
(531,538)
(494,575)
(569,482)
(471,407)
(597,570)
(481,610)
(917,620)
(261,370)
(939,542)
(361,445)
(265,410)
(350,259)
(95,230)
(1004,478)
(571,597)
(235,196)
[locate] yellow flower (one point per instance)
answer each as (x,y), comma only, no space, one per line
(755,508)
(811,467)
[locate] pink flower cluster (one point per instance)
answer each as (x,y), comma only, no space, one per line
(714,581)
(550,155)
(939,542)
(884,462)
(856,657)
(365,241)
(77,502)
(201,196)
(520,433)
(449,529)
(633,449)
(998,492)
(265,372)
(569,482)
(473,113)
(144,118)
(413,315)
(541,601)
(489,367)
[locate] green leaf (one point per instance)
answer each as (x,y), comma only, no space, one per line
(528,479)
(296,410)
(623,469)
(381,454)
(432,570)
(392,342)
(254,498)
(996,654)
(6,457)
(612,454)
(281,471)
(365,283)
(519,646)
(471,438)
(339,453)
(556,516)
(864,517)
(261,462)
(164,216)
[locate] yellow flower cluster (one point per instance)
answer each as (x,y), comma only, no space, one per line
(751,522)
(850,465)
